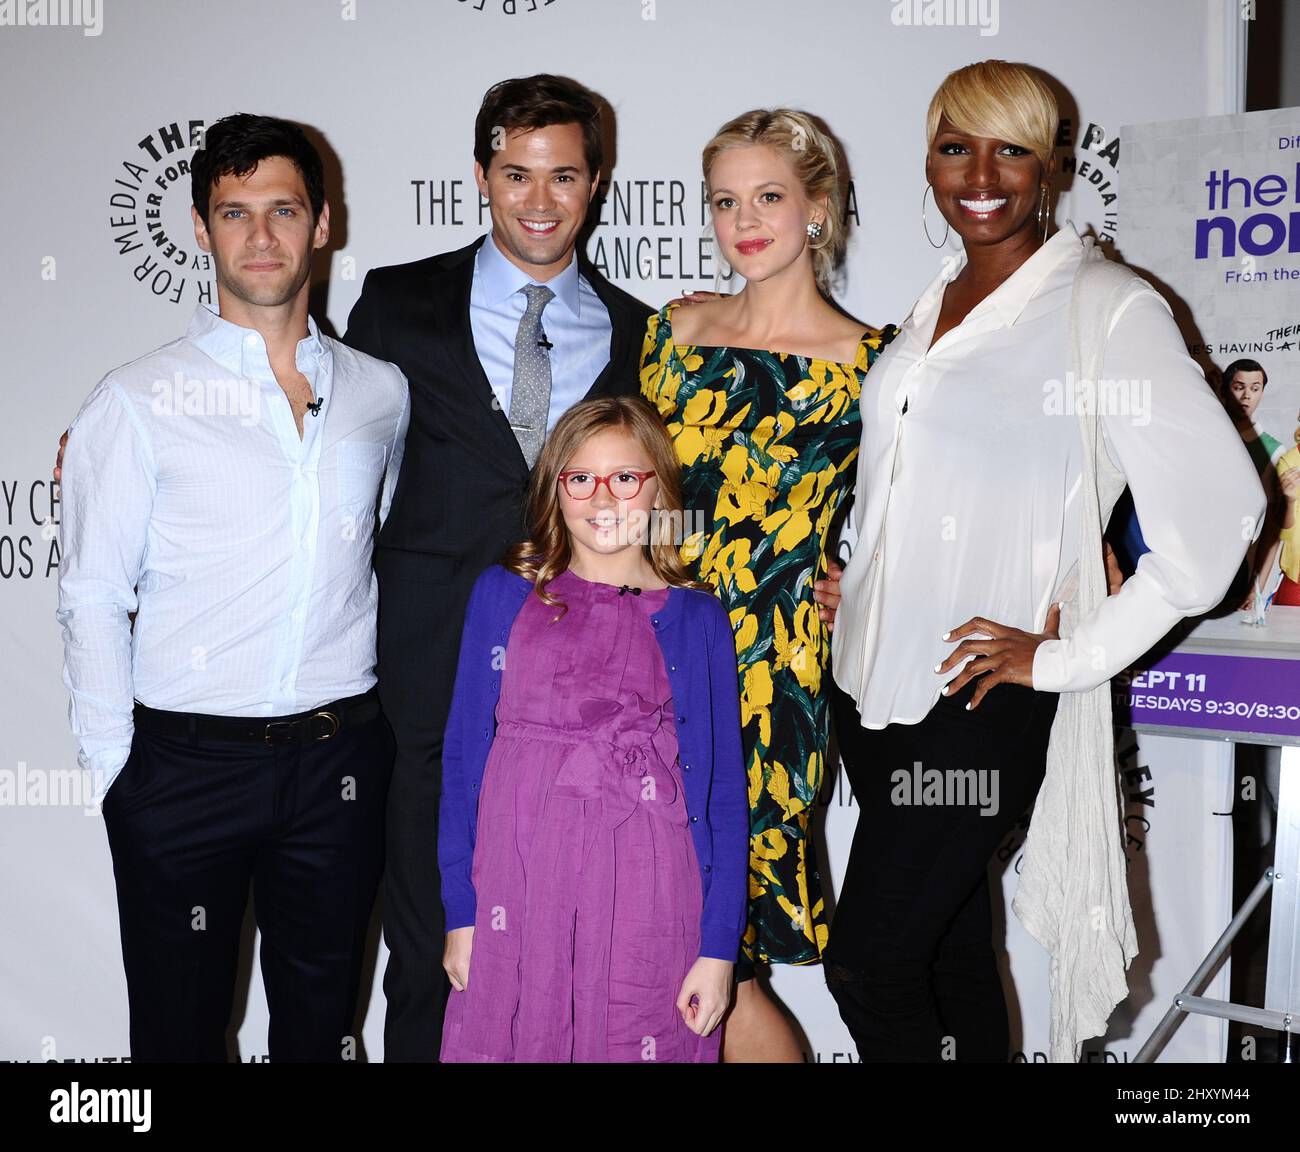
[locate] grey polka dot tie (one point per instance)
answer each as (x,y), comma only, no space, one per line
(530,394)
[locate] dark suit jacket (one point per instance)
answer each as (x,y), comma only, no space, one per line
(460,495)
(463,477)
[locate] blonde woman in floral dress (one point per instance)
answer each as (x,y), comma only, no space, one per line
(760,394)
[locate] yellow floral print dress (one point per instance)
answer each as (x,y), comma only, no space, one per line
(767,444)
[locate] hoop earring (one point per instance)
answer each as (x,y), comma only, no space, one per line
(925,224)
(1044,214)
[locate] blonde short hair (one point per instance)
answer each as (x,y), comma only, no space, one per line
(817,162)
(1006,101)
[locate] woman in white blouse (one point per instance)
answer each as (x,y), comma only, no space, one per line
(975,496)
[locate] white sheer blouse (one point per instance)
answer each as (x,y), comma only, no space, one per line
(968,488)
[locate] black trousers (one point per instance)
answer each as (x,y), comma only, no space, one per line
(910,960)
(191,822)
(422,603)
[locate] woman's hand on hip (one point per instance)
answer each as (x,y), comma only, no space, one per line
(997,654)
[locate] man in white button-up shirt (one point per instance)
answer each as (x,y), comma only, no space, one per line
(223,490)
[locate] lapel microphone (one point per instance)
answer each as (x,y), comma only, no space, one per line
(314,408)
(545,343)
(627,588)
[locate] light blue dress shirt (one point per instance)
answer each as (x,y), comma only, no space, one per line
(244,550)
(576,323)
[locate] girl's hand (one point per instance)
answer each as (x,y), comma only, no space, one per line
(455,956)
(708,983)
(1002,655)
(827,593)
(1290,482)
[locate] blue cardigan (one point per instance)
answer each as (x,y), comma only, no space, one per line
(698,646)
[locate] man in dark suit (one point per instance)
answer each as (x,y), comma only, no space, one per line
(496,340)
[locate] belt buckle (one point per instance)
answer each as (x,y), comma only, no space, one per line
(334,721)
(284,733)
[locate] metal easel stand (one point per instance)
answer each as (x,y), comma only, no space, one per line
(1281,1011)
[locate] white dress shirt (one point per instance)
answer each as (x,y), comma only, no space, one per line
(968,489)
(576,324)
(244,550)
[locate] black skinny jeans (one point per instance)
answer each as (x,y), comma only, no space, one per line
(910,960)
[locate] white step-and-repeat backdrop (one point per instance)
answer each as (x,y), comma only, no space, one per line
(102,101)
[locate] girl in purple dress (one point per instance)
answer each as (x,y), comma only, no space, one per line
(593,831)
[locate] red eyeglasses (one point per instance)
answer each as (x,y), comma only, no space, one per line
(625,484)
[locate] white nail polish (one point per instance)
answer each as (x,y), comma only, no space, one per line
(968,706)
(945,636)
(938,666)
